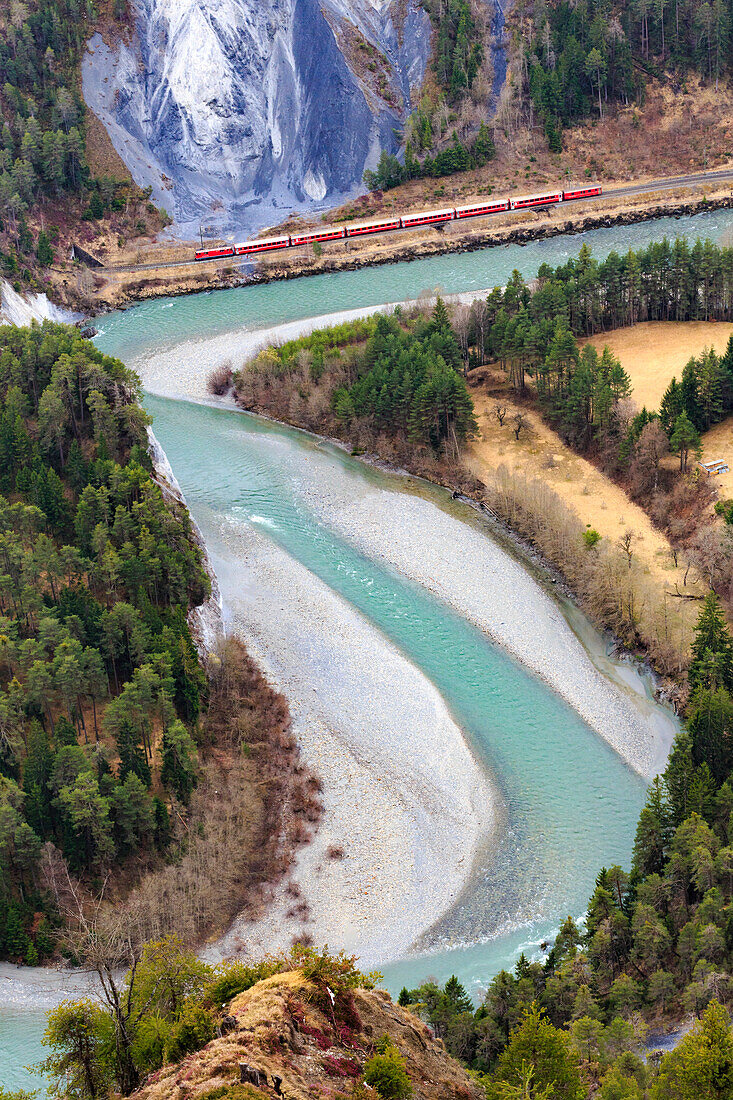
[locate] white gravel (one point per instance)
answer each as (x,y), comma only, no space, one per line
(367,733)
(476,577)
(404,798)
(182,371)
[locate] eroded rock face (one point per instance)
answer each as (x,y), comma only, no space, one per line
(238,111)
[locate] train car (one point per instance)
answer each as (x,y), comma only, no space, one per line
(583,192)
(427,217)
(372,227)
(536,200)
(214,253)
(267,244)
(478,208)
(330,234)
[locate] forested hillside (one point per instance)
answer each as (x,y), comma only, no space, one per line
(115,749)
(569,63)
(46,185)
(581,59)
(98,667)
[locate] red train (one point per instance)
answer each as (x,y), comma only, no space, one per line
(404,221)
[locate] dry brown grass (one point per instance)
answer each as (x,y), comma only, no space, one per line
(615,590)
(690,131)
(653,352)
(559,496)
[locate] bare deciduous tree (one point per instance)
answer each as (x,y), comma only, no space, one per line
(626,543)
(653,444)
(520,421)
(500,412)
(101,936)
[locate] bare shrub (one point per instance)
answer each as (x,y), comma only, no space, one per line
(615,593)
(241,828)
(220,380)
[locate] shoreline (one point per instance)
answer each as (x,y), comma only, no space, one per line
(406,805)
(176,374)
(408,251)
(427,813)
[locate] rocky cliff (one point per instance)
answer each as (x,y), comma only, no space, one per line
(239,111)
(24,309)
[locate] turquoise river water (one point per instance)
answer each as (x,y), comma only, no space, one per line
(572,803)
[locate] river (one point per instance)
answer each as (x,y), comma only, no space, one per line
(570,802)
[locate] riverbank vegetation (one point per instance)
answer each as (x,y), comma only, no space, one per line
(114,745)
(585,395)
(390,384)
(327,384)
(657,942)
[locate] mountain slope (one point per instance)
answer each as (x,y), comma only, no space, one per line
(235,109)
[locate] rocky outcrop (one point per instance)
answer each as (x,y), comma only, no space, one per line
(237,112)
(298,1040)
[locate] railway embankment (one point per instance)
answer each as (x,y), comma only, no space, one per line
(118,286)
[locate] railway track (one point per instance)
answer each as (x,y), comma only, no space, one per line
(665,183)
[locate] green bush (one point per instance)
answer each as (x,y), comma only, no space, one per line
(151,1040)
(338,972)
(234,978)
(193,1029)
(386,1072)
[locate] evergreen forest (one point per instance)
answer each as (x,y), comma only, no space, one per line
(100,685)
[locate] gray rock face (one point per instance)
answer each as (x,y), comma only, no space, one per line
(238,111)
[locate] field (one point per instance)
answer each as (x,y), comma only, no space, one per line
(588,494)
(654,352)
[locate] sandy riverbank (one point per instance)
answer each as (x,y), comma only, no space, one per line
(182,371)
(420,541)
(406,805)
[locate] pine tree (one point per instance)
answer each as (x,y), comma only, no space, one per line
(179,761)
(44,252)
(712,648)
(684,438)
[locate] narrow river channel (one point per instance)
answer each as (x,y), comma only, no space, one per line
(570,802)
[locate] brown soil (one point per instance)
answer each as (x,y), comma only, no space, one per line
(284,1027)
(102,157)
